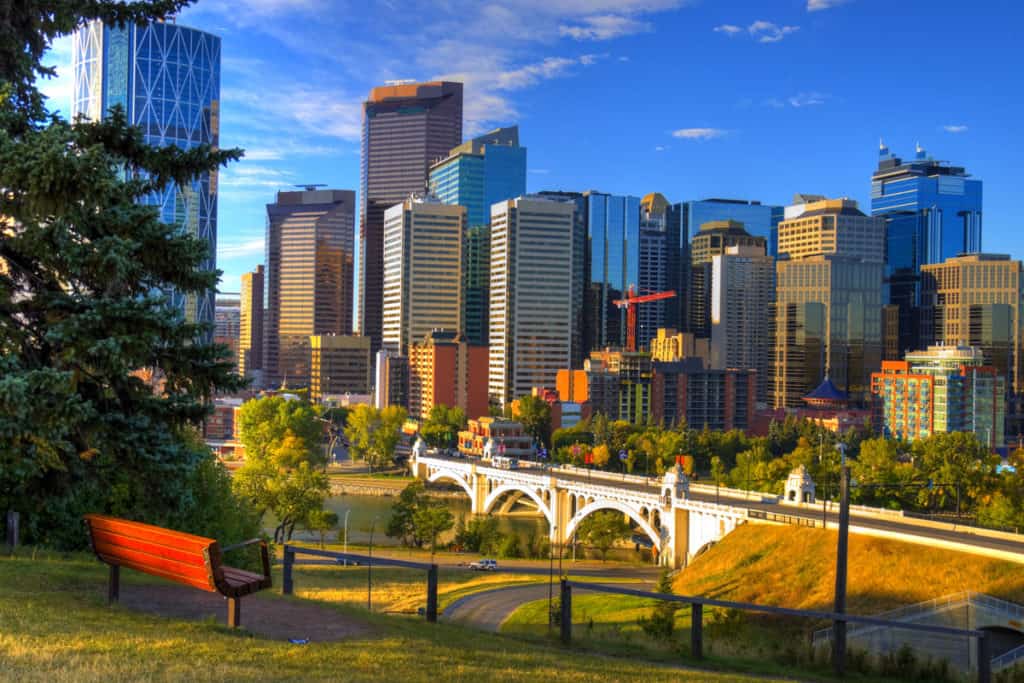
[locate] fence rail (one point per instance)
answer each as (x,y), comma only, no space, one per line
(697,604)
(290,551)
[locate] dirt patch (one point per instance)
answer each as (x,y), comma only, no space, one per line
(263,615)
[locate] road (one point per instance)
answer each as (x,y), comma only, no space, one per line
(947,532)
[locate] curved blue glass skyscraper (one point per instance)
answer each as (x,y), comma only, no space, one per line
(166,77)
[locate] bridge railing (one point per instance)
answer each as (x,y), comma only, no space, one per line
(983,657)
(288,581)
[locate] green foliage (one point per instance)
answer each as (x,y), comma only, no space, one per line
(441,428)
(511,547)
(321,521)
(480,535)
(602,530)
(430,520)
(417,519)
(535,415)
(662,622)
(80,310)
(373,434)
(284,464)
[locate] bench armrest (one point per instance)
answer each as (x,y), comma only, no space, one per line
(264,555)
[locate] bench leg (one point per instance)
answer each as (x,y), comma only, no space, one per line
(114,584)
(234,612)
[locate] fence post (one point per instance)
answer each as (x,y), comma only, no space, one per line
(984,658)
(286,579)
(566,616)
(697,631)
(432,594)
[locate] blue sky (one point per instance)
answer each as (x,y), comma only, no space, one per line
(754,99)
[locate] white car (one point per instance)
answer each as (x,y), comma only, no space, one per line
(484,565)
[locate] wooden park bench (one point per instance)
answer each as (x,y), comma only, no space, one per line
(175,556)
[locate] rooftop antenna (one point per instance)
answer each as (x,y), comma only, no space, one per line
(310,187)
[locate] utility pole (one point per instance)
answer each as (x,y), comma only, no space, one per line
(839,626)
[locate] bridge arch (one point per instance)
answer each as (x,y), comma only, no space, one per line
(632,513)
(500,491)
(439,475)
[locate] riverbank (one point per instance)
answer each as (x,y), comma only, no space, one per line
(342,485)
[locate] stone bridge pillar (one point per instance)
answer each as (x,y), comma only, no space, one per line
(675,550)
(561,512)
(478,482)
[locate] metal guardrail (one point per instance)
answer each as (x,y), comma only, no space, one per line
(290,551)
(1008,659)
(697,604)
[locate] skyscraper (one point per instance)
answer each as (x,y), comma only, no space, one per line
(828,311)
(166,79)
(660,265)
(531,317)
(422,271)
(933,213)
(405,128)
(742,292)
(309,278)
(714,238)
(250,335)
(760,220)
(476,174)
(227,320)
(977,300)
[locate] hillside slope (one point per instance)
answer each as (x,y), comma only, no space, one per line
(795,567)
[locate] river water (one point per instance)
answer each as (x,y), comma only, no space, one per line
(365,511)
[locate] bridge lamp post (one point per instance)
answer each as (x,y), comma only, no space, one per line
(839,627)
(551,577)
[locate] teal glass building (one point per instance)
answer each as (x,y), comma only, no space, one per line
(166,77)
(477,174)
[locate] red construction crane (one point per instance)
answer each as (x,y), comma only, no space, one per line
(630,304)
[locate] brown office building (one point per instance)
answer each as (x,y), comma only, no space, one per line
(445,370)
(339,364)
(713,239)
(406,127)
(309,278)
(250,334)
(977,300)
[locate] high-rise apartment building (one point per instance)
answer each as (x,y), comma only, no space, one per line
(742,293)
(828,310)
(446,370)
(942,389)
(422,270)
(250,323)
(406,127)
(339,364)
(977,300)
(166,79)
(390,380)
(227,323)
(531,317)
(476,174)
(714,238)
(685,392)
(669,345)
(933,213)
(580,268)
(308,278)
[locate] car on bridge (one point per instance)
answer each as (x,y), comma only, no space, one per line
(484,565)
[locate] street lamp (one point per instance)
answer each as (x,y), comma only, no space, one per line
(551,576)
(346,534)
(369,567)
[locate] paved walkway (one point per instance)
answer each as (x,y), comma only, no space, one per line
(264,615)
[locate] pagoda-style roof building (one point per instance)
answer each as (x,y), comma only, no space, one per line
(827,396)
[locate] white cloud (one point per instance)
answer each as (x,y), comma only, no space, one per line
(806,99)
(240,249)
(540,171)
(762,31)
(660,148)
(815,5)
(698,133)
(955,128)
(767,32)
(604,27)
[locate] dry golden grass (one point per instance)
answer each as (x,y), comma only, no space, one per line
(795,567)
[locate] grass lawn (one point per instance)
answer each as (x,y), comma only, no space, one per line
(57,627)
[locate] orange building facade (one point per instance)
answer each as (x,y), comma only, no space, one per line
(445,370)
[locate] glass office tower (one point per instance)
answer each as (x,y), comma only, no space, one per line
(477,174)
(760,220)
(166,78)
(613,264)
(406,127)
(933,213)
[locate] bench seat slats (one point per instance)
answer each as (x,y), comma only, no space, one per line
(115,542)
(242,582)
(148,532)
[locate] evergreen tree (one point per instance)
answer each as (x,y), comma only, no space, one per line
(83,324)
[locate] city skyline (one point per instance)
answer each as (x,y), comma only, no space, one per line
(722,131)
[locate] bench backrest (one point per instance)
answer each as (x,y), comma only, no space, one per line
(173,555)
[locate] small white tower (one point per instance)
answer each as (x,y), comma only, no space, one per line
(675,484)
(489,449)
(799,487)
(419,449)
